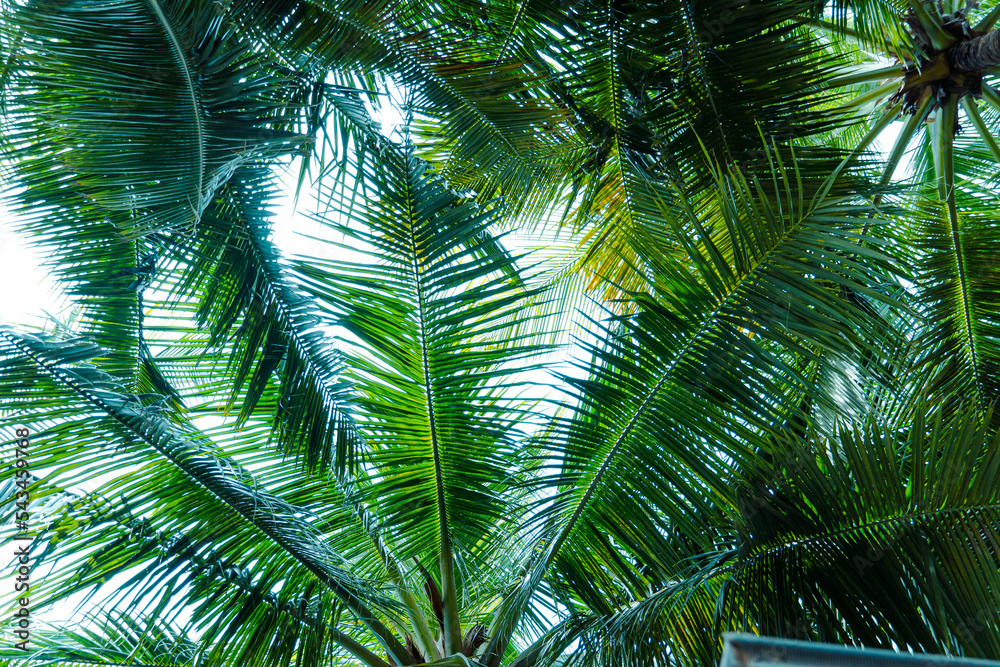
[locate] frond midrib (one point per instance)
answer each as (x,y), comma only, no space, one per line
(276,297)
(705,326)
(192,91)
(906,518)
(452,630)
(957,245)
(692,31)
(349,600)
(510,35)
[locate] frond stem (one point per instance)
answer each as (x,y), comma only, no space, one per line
(452,639)
(984,132)
(988,21)
(199,130)
(991,96)
(510,33)
(892,161)
(357,649)
(946,190)
(939,38)
(834,29)
(865,76)
(872,95)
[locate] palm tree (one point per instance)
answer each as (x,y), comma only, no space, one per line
(778,414)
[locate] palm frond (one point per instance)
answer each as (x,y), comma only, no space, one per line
(279,359)
(159,455)
(133,112)
(424,315)
(875,537)
(712,360)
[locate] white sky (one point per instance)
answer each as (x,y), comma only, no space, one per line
(26,291)
(28,295)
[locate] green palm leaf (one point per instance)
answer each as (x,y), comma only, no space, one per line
(838,557)
(166,93)
(430,367)
(657,421)
(243,513)
(278,360)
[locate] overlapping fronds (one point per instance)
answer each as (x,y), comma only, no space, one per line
(716,356)
(425,315)
(652,87)
(869,537)
(192,516)
(775,414)
(494,126)
(875,537)
(133,112)
(279,361)
(121,120)
(121,640)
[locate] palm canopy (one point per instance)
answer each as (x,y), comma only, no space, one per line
(778,415)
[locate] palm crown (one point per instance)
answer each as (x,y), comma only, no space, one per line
(778,418)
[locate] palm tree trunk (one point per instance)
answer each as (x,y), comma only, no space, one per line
(977,54)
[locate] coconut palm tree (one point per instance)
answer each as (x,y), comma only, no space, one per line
(777,413)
